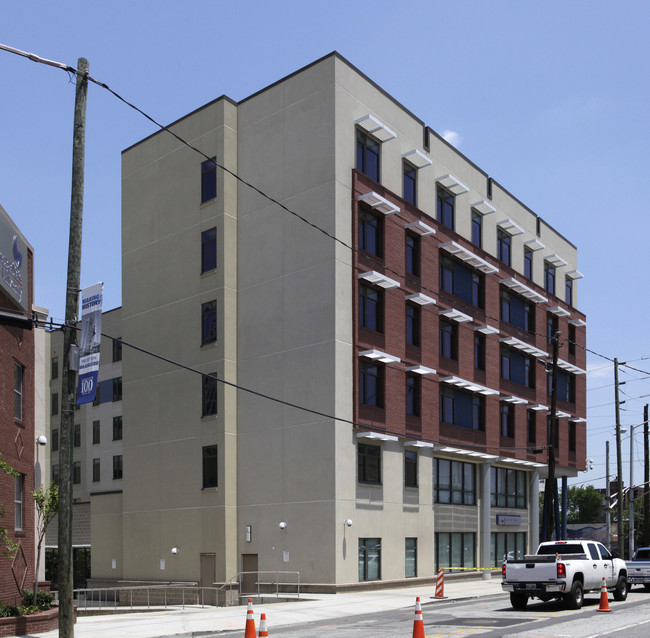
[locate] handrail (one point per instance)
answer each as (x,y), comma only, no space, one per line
(238,580)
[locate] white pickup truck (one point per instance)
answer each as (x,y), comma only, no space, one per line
(638,569)
(566,570)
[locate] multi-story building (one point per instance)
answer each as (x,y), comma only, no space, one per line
(359,395)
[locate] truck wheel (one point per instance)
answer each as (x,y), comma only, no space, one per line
(620,591)
(575,597)
(518,601)
(646,586)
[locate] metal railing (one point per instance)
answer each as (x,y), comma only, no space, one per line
(266,587)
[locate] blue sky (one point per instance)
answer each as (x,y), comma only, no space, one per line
(551,99)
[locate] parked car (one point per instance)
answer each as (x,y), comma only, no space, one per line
(638,569)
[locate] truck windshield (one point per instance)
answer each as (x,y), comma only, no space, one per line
(561,548)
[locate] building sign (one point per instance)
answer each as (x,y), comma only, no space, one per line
(508,519)
(13,263)
(91,337)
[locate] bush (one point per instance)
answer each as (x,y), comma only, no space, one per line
(27,610)
(8,610)
(44,599)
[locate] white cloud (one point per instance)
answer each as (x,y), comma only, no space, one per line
(452,137)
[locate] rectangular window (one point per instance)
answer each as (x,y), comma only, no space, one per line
(410,182)
(371,233)
(549,277)
(477,229)
(55,367)
(209,395)
(464,409)
(117,350)
(412,325)
(208,179)
(208,250)
(19,373)
(528,262)
(572,339)
(412,255)
(55,440)
(210,476)
(551,327)
(96,470)
(507,420)
(503,246)
(461,281)
(445,207)
(531,426)
(117,467)
(479,351)
(568,291)
(77,435)
(367,155)
(572,436)
(96,432)
(368,463)
(411,558)
(371,384)
(454,482)
(566,386)
(55,474)
(508,488)
(117,389)
(518,312)
(208,322)
(448,339)
(506,545)
(54,407)
(369,559)
(76,473)
(410,468)
(413,395)
(117,428)
(517,367)
(455,551)
(19,482)
(371,308)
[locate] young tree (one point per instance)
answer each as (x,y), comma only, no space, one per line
(47,506)
(7,546)
(585,505)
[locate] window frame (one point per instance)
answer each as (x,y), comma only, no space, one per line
(209,322)
(371,371)
(508,488)
(117,350)
(97,432)
(477,229)
(96,470)
(454,482)
(504,247)
(410,557)
(371,308)
(409,182)
(412,254)
(528,263)
(118,425)
(209,250)
(413,395)
(118,467)
(209,180)
(454,403)
(19,390)
(368,149)
(371,233)
(209,395)
(507,356)
(507,420)
(369,548)
(210,466)
(445,207)
(568,291)
(117,388)
(449,339)
(413,317)
(549,277)
(19,502)
(479,351)
(369,465)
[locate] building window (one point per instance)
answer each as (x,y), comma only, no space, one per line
(412,325)
(455,551)
(503,247)
(117,428)
(454,482)
(209,395)
(368,463)
(508,488)
(54,404)
(568,291)
(551,327)
(370,233)
(572,436)
(371,308)
(369,559)
(55,474)
(572,339)
(410,468)
(445,207)
(117,350)
(96,432)
(411,558)
(549,277)
(76,473)
(566,386)
(464,409)
(479,351)
(531,426)
(410,182)
(462,282)
(517,311)
(55,440)
(77,435)
(448,339)
(208,179)
(96,470)
(371,384)
(55,368)
(412,255)
(117,467)
(477,229)
(507,420)
(367,155)
(208,250)
(117,389)
(528,262)
(19,373)
(517,367)
(19,482)
(210,477)
(413,395)
(208,322)
(506,545)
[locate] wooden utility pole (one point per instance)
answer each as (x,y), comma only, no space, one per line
(69,386)
(550,486)
(619,464)
(646,481)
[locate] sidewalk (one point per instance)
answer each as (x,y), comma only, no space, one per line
(195,620)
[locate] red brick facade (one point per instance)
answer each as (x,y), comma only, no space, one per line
(17,446)
(391,339)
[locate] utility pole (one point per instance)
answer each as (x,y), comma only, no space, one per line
(646,481)
(608,512)
(619,463)
(66,440)
(550,486)
(630,491)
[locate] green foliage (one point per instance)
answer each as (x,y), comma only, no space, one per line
(27,610)
(7,546)
(584,505)
(46,500)
(7,611)
(44,599)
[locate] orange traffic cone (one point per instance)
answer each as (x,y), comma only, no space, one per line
(604,603)
(263,630)
(250,621)
(418,623)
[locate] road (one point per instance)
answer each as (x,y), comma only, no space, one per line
(490,617)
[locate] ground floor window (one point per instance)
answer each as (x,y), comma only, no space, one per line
(506,545)
(411,569)
(455,551)
(369,559)
(80,567)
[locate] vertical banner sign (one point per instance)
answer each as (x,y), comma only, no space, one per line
(91,336)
